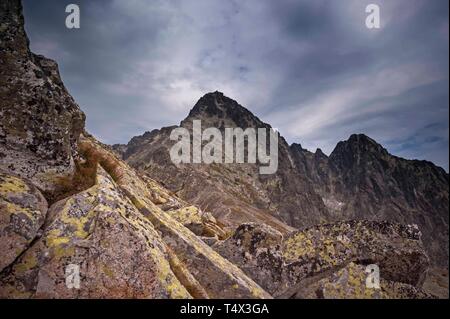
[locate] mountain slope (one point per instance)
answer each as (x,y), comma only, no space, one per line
(234,193)
(359,180)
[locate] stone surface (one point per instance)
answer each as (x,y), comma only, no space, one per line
(219,277)
(199,222)
(22,213)
(256,249)
(117,250)
(39,121)
(282,265)
(350,283)
(396,249)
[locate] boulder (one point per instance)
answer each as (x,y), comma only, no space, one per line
(350,283)
(256,249)
(22,213)
(283,266)
(396,249)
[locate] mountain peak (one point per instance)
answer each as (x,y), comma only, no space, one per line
(358,146)
(360,143)
(221,111)
(361,139)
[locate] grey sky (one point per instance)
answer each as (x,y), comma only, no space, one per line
(310,68)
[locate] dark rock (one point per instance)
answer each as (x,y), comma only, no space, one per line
(39,121)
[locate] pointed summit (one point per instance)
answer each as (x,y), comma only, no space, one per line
(216,109)
(358,149)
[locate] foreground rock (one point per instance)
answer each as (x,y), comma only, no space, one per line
(22,213)
(283,266)
(219,277)
(256,249)
(40,122)
(350,283)
(396,249)
(118,252)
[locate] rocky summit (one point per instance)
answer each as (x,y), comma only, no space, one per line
(81,219)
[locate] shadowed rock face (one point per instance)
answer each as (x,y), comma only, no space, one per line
(256,249)
(362,180)
(368,182)
(40,122)
(359,180)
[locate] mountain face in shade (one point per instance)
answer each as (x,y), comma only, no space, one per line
(359,180)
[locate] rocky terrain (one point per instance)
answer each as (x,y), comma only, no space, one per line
(146,228)
(359,180)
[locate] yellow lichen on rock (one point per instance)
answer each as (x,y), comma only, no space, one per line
(396,249)
(297,246)
(350,283)
(22,213)
(216,274)
(187,215)
(12,184)
(117,250)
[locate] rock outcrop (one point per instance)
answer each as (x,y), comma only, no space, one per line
(40,121)
(285,266)
(350,283)
(23,211)
(396,249)
(118,252)
(219,277)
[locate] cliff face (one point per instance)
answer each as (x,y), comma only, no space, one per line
(76,221)
(359,180)
(40,120)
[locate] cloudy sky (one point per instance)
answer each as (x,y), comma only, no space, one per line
(311,68)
